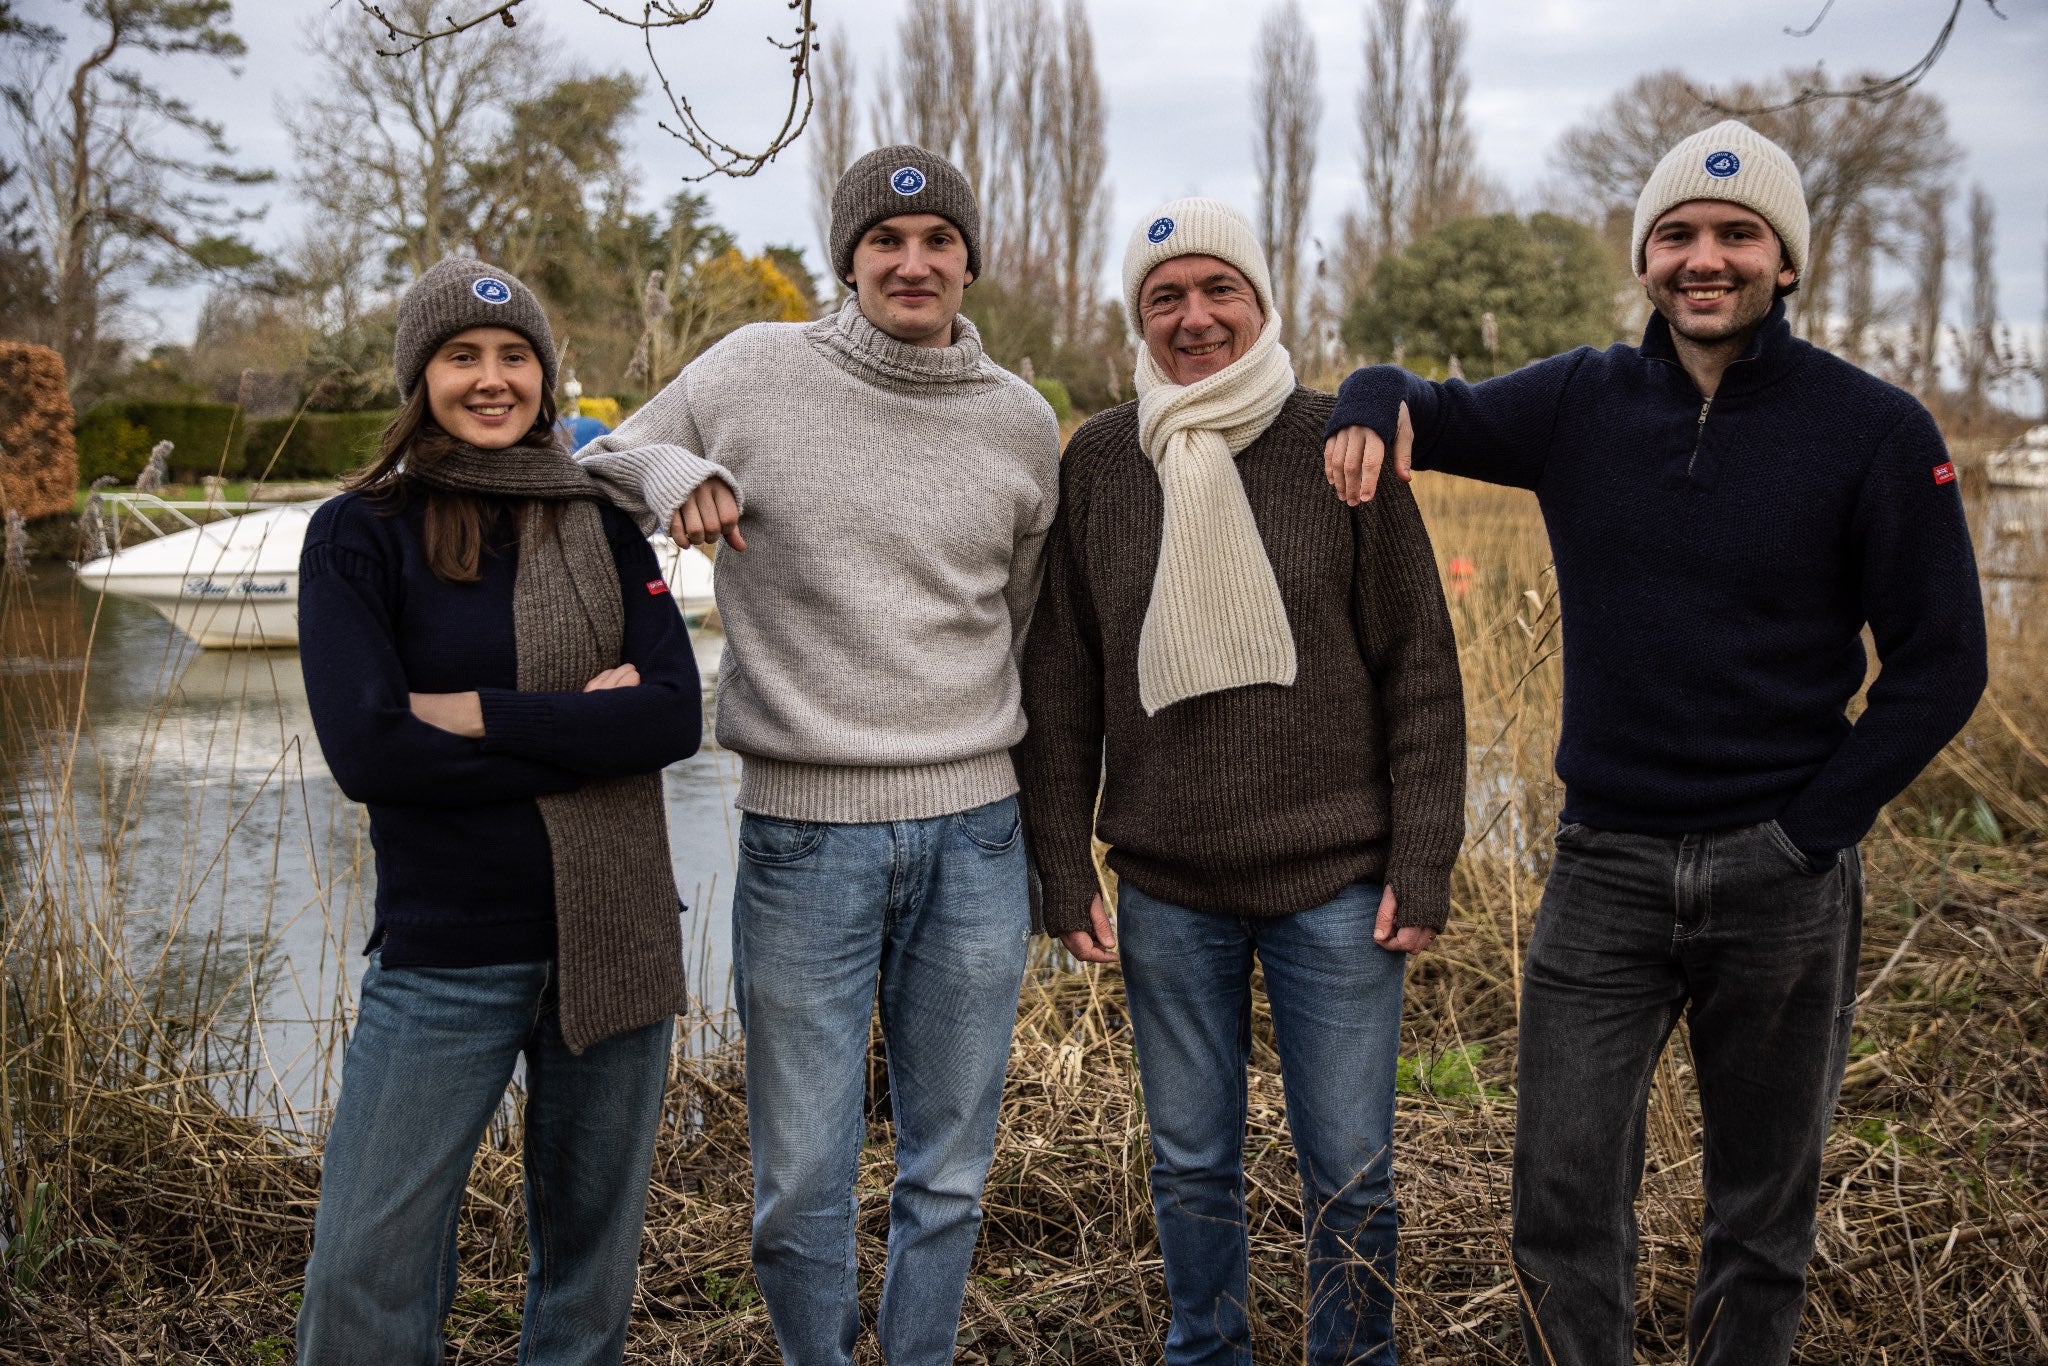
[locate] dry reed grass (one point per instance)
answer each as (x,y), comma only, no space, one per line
(1933,1226)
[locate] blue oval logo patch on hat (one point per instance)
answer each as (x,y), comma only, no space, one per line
(492,290)
(1721,165)
(1161,229)
(906,180)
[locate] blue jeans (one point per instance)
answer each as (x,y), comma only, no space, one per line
(1736,930)
(427,1066)
(1336,1001)
(932,915)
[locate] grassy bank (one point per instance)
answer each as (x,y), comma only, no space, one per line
(173,1227)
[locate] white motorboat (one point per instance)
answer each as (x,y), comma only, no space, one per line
(2021,465)
(234,583)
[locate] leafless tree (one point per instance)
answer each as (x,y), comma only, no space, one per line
(1859,281)
(1384,123)
(1979,350)
(1930,284)
(1286,109)
(1080,158)
(1024,58)
(1442,183)
(390,141)
(938,81)
(111,193)
(407,30)
(832,135)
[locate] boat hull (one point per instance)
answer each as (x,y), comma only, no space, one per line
(234,584)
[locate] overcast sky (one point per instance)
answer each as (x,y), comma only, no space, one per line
(1176,76)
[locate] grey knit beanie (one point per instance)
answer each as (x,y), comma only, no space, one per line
(461,293)
(1194,227)
(901,179)
(1733,162)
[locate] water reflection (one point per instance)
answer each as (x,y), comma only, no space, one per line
(193,806)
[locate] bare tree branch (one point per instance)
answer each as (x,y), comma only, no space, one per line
(1875,89)
(1286,108)
(656,16)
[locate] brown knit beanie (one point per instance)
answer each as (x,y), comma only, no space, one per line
(901,179)
(1733,162)
(458,294)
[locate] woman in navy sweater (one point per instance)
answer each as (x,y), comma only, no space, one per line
(497,671)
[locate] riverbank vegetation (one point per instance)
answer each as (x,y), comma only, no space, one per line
(160,1174)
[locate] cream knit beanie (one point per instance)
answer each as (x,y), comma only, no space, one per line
(1733,162)
(1194,227)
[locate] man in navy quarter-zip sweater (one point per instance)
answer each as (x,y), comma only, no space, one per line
(1728,507)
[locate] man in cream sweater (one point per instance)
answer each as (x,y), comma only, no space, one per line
(897,487)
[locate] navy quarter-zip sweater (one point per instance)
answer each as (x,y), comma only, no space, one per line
(464,876)
(1716,563)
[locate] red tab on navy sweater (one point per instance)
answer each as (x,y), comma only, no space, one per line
(656,587)
(1945,472)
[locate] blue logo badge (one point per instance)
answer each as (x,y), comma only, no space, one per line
(492,291)
(1721,165)
(1161,229)
(907,180)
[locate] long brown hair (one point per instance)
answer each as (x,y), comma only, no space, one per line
(456,523)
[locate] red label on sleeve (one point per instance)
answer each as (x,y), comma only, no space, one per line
(656,587)
(1945,472)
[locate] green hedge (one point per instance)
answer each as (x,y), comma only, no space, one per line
(115,438)
(1055,392)
(321,446)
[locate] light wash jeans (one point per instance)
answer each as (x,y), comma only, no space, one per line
(1336,1000)
(932,915)
(1757,948)
(427,1066)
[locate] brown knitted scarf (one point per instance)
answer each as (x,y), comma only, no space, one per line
(618,941)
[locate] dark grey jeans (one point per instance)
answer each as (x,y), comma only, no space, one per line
(1736,930)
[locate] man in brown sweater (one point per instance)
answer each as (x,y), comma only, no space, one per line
(1265,687)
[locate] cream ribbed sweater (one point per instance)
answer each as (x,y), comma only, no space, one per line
(896,504)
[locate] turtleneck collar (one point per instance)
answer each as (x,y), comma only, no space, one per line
(860,348)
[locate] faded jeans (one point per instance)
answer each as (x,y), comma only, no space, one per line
(1737,931)
(427,1065)
(1336,1002)
(933,917)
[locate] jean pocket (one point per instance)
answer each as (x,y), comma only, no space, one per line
(1785,846)
(992,827)
(766,840)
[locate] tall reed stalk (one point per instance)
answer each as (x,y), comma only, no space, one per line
(135,1088)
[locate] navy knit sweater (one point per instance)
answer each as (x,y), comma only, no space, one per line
(464,876)
(1716,563)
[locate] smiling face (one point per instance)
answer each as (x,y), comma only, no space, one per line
(1712,269)
(909,273)
(1198,314)
(484,386)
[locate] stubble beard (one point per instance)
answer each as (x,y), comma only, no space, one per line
(1753,295)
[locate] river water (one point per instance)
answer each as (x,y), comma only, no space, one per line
(191,811)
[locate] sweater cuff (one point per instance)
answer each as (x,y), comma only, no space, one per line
(1422,897)
(650,482)
(1371,398)
(1066,903)
(516,723)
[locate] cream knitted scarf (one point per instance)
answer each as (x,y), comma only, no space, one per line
(1215,620)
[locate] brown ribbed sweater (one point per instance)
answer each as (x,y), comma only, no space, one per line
(1264,800)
